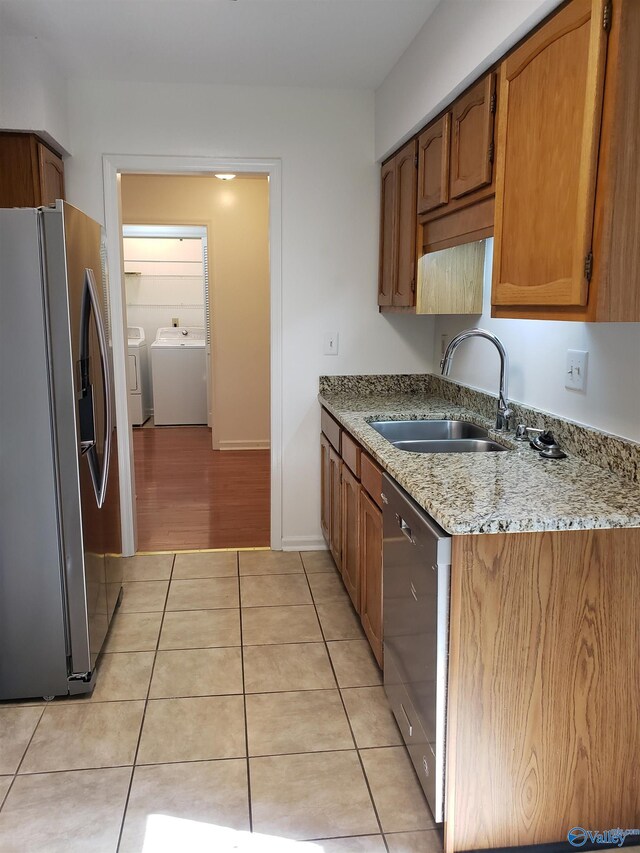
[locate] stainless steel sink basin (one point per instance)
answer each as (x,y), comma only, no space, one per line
(452,445)
(437,436)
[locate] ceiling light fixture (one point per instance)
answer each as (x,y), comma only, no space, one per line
(224,176)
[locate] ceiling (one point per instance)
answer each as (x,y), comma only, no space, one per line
(319,43)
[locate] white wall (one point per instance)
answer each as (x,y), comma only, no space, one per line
(330,230)
(537,351)
(33,92)
(459,41)
(164,279)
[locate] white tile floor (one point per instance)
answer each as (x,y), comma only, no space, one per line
(238,707)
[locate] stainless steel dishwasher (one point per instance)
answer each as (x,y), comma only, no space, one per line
(416,573)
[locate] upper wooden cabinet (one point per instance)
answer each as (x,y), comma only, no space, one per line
(397,275)
(472,138)
(387,277)
(433,164)
(567,215)
(455,166)
(32,174)
(550,113)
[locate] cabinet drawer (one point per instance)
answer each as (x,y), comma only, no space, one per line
(371,478)
(331,429)
(351,453)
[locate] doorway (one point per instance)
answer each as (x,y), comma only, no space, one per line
(233,476)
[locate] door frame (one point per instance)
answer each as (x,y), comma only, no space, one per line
(113,166)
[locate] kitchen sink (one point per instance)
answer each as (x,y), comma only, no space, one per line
(437,436)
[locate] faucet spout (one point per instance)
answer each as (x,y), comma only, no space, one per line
(503,412)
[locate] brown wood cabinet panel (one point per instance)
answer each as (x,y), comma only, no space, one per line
(325,489)
(51,175)
(548,136)
(397,273)
(544,673)
(19,178)
(615,286)
(406,225)
(433,164)
(450,281)
(461,226)
(388,249)
(351,535)
(371,478)
(472,138)
(371,573)
(31,174)
(331,428)
(350,453)
(335,499)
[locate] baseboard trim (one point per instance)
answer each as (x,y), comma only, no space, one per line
(303,543)
(244,445)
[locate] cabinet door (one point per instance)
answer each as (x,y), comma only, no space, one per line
(472,143)
(548,138)
(406,225)
(335,527)
(51,175)
(351,535)
(325,489)
(371,573)
(387,278)
(433,164)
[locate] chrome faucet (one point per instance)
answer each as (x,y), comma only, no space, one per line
(504,412)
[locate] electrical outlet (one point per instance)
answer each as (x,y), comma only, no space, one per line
(331,343)
(576,370)
(175,322)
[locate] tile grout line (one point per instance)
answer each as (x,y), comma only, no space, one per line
(26,749)
(205,760)
(346,713)
(244,698)
(144,710)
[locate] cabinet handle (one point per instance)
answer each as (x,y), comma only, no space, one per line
(405,529)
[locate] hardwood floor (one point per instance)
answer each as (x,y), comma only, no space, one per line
(190,496)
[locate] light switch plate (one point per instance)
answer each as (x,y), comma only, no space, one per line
(331,343)
(576,370)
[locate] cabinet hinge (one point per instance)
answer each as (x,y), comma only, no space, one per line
(415,161)
(588,266)
(413,285)
(492,103)
(606,17)
(492,149)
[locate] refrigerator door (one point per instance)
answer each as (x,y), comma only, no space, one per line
(33,623)
(84,428)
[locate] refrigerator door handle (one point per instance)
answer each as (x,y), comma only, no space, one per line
(99,480)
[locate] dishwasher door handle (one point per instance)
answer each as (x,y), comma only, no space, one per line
(405,529)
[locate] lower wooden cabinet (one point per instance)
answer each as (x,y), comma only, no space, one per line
(371,573)
(325,488)
(351,535)
(335,503)
(351,521)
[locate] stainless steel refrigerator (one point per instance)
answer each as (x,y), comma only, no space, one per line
(59,504)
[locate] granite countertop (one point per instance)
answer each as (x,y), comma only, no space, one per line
(516,492)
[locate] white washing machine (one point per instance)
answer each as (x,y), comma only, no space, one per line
(139,376)
(179,370)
